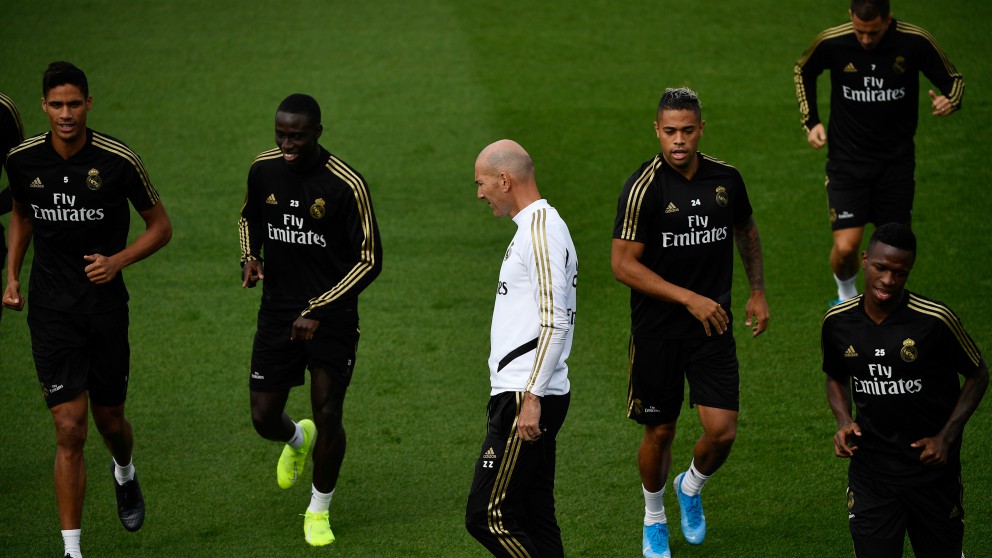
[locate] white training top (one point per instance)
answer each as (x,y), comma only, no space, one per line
(535,306)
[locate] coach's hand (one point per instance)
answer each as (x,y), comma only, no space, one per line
(251,273)
(817,136)
(101,269)
(304,329)
(12,296)
(529,420)
(708,311)
(934,452)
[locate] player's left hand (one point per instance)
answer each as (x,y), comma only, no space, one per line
(101,269)
(304,329)
(941,105)
(757,313)
(935,450)
(529,419)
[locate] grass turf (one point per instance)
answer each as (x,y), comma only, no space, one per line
(411,92)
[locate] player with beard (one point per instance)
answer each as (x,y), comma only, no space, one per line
(511,504)
(677,221)
(875,62)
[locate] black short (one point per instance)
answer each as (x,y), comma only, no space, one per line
(659,368)
(880,514)
(74,353)
(861,193)
(278,364)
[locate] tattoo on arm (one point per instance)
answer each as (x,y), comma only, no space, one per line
(749,246)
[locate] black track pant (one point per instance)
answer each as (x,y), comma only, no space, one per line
(511,507)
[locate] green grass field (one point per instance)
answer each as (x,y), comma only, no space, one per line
(411,91)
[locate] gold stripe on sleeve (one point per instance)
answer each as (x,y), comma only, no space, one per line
(366,260)
(105,143)
(632,209)
(546,302)
(12,108)
(944,314)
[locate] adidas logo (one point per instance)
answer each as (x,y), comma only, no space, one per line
(850,69)
(36,183)
(490,454)
(671,208)
(271,200)
(850,352)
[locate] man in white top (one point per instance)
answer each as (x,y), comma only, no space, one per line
(511,508)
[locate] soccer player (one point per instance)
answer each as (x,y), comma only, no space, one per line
(899,355)
(874,63)
(677,221)
(310,215)
(11,134)
(71,187)
(511,506)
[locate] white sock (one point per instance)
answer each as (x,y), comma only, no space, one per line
(654,506)
(297,439)
(70,538)
(693,481)
(846,288)
(125,473)
(319,501)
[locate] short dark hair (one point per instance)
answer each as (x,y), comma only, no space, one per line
(680,98)
(300,103)
(895,235)
(62,73)
(868,10)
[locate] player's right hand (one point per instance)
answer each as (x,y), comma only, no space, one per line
(846,440)
(817,136)
(12,296)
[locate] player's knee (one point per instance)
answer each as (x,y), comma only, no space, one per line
(328,416)
(722,439)
(71,434)
(846,247)
(661,435)
(111,428)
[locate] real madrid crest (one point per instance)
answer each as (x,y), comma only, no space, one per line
(909,352)
(833,215)
(509,250)
(899,66)
(636,407)
(317,210)
(93,180)
(721,196)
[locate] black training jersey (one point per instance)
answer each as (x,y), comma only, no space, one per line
(318,234)
(11,134)
(903,375)
(687,228)
(77,207)
(874,94)
(11,129)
